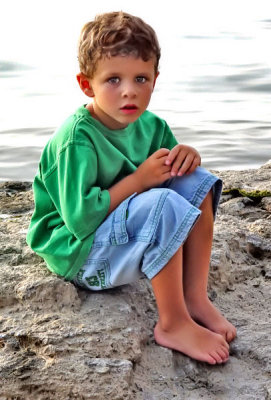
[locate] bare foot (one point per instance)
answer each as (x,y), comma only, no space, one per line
(205,313)
(194,341)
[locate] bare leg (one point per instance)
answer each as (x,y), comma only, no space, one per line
(197,253)
(175,328)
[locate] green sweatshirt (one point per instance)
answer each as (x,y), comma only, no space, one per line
(81,161)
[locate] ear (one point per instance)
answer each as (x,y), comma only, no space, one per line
(154,82)
(84,84)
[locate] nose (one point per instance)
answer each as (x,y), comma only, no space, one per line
(129,90)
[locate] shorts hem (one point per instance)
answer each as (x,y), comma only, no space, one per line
(178,239)
(208,183)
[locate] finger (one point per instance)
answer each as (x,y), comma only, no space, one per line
(194,165)
(172,154)
(162,159)
(177,165)
(178,162)
(186,165)
(163,169)
(181,165)
(160,162)
(166,176)
(160,167)
(163,152)
(166,169)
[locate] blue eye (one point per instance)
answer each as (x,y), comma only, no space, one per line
(141,79)
(114,80)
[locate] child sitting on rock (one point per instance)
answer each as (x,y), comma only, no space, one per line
(117,198)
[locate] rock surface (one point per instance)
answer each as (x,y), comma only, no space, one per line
(58,342)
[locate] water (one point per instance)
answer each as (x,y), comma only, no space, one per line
(213,89)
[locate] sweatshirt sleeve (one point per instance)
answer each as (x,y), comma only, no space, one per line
(83,205)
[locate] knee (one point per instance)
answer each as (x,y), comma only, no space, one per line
(152,202)
(159,203)
(150,209)
(167,202)
(174,206)
(176,217)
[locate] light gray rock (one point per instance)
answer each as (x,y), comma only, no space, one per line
(58,342)
(251,183)
(266,203)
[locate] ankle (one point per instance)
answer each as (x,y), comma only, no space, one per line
(166,324)
(196,298)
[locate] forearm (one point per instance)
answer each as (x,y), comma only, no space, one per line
(123,189)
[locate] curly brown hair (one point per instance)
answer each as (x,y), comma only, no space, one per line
(116,33)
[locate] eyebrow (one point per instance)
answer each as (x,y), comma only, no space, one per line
(119,73)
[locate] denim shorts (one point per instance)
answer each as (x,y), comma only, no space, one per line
(142,234)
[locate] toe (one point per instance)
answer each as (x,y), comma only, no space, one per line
(211,360)
(224,354)
(222,341)
(231,335)
(225,345)
(216,356)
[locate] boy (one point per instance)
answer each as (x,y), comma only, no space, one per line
(116,196)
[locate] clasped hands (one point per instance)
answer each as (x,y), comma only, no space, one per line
(183,160)
(165,164)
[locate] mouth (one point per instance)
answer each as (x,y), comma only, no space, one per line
(129,108)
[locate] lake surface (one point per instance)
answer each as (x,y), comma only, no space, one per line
(214,91)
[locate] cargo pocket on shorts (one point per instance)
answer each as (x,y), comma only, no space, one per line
(119,234)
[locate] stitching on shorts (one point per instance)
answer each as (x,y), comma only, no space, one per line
(149,236)
(119,220)
(203,189)
(178,239)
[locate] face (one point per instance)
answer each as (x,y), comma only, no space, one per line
(121,89)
